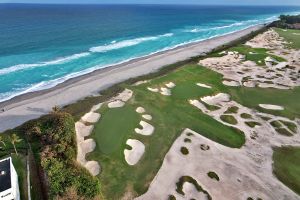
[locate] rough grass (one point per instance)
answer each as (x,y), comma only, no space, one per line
(229,119)
(184,150)
(246,116)
(232,110)
(289,36)
(213,175)
(252,124)
(286,166)
(291,126)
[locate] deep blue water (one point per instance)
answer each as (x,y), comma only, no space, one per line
(43,45)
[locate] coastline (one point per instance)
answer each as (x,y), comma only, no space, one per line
(32,105)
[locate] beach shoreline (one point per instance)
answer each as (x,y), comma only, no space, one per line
(35,104)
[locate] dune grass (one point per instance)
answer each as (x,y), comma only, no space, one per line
(286,166)
(290,35)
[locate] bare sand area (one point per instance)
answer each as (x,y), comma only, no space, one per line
(33,105)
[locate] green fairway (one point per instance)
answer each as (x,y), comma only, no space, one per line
(286,166)
(290,35)
(257,55)
(171,114)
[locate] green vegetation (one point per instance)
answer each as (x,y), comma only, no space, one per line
(184,150)
(286,166)
(291,126)
(187,140)
(276,124)
(291,36)
(252,124)
(172,197)
(213,175)
(189,179)
(283,131)
(232,110)
(255,54)
(229,119)
(54,138)
(246,116)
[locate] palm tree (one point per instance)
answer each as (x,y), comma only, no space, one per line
(2,141)
(56,109)
(15,139)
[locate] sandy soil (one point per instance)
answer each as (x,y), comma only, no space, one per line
(147,129)
(140,110)
(203,85)
(271,107)
(116,104)
(133,156)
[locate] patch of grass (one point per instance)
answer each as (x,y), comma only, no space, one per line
(231,110)
(229,119)
(187,140)
(171,197)
(213,175)
(258,54)
(276,124)
(291,126)
(283,131)
(210,107)
(183,179)
(290,35)
(246,116)
(287,166)
(184,150)
(252,124)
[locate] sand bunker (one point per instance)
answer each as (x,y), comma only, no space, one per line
(231,83)
(165,91)
(133,156)
(93,167)
(170,85)
(87,146)
(140,110)
(96,107)
(91,117)
(203,85)
(271,107)
(217,99)
(191,192)
(124,96)
(153,89)
(116,104)
(82,130)
(147,117)
(147,129)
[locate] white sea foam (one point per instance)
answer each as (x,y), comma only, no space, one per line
(126,43)
(52,62)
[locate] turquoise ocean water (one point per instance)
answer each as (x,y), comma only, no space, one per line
(44,45)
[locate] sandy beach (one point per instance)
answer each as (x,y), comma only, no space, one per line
(32,105)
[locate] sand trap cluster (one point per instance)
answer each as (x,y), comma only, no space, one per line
(88,145)
(237,71)
(271,107)
(203,85)
(133,156)
(120,99)
(244,173)
(147,129)
(166,91)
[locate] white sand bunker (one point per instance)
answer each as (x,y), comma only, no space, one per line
(271,107)
(133,156)
(116,104)
(203,85)
(231,83)
(96,107)
(93,167)
(147,129)
(165,91)
(140,110)
(153,89)
(296,33)
(191,192)
(82,130)
(91,117)
(217,99)
(147,117)
(124,96)
(170,85)
(87,146)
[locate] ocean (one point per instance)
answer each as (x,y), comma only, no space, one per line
(44,45)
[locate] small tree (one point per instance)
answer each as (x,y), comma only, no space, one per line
(14,140)
(2,141)
(56,109)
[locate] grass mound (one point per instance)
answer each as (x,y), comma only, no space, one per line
(286,166)
(229,119)
(213,175)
